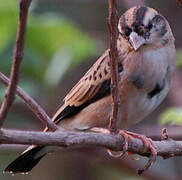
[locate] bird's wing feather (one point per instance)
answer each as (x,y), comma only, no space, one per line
(90,83)
(94,85)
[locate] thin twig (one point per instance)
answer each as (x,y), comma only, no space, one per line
(113,30)
(32,104)
(17,59)
(70,139)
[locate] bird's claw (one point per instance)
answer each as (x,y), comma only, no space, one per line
(148,143)
(125,146)
(151,160)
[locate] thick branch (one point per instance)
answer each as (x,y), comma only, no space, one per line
(32,104)
(17,59)
(70,139)
(113,30)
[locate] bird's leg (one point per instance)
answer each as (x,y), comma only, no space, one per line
(125,145)
(148,143)
(122,133)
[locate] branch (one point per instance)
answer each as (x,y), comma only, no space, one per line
(113,54)
(17,59)
(69,139)
(32,104)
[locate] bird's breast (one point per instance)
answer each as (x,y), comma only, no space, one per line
(139,105)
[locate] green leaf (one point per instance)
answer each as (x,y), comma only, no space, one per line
(172,115)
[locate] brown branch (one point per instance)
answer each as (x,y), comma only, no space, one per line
(32,104)
(17,59)
(113,53)
(70,139)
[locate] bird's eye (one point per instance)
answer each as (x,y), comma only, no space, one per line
(150,25)
(127,31)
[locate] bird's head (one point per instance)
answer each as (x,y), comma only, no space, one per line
(144,26)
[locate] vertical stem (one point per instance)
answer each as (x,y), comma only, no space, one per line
(113,30)
(17,59)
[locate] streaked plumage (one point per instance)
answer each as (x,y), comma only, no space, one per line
(146,64)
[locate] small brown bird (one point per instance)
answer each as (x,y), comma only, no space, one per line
(146,64)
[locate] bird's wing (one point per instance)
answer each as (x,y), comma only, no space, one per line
(94,85)
(90,83)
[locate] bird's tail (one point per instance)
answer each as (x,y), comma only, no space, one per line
(26,161)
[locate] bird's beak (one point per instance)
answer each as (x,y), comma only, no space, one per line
(136,40)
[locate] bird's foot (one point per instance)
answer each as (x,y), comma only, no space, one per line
(125,145)
(148,143)
(123,133)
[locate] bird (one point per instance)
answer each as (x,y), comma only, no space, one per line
(146,66)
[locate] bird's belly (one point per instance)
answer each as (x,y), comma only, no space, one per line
(140,105)
(137,106)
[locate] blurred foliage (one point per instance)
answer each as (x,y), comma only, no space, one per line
(47,34)
(53,45)
(172,115)
(8,22)
(179,58)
